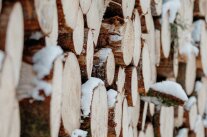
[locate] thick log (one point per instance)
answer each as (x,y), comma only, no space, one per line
(203,48)
(125,119)
(104,66)
(12,35)
(131,85)
(120,77)
(120,38)
(71,94)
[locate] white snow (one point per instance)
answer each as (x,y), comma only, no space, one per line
(183,132)
(44,58)
(87,93)
(196,33)
(198,86)
(115,38)
(36,35)
(41,85)
(191,101)
(171,88)
(171,6)
(111,97)
(188,49)
(79,133)
(1,58)
(103,54)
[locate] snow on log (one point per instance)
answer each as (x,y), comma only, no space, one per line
(115,117)
(56,98)
(43,60)
(191,101)
(187,74)
(104,65)
(12,35)
(85,59)
(168,93)
(94,104)
(131,85)
(120,38)
(137,35)
(111,97)
(71,97)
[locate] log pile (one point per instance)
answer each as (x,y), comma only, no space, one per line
(103,68)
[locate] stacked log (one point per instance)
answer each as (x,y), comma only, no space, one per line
(97,79)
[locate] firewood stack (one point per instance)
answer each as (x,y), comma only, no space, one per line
(103,68)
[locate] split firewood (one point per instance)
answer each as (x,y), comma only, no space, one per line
(143,6)
(157,47)
(71,113)
(115,113)
(203,47)
(125,119)
(104,65)
(120,38)
(94,108)
(178,116)
(149,130)
(85,5)
(12,33)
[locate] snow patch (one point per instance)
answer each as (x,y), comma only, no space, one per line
(171,88)
(36,35)
(111,95)
(87,94)
(103,54)
(79,133)
(171,6)
(196,33)
(191,101)
(188,49)
(183,132)
(115,38)
(44,58)
(41,85)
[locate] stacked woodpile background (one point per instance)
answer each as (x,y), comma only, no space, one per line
(77,68)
